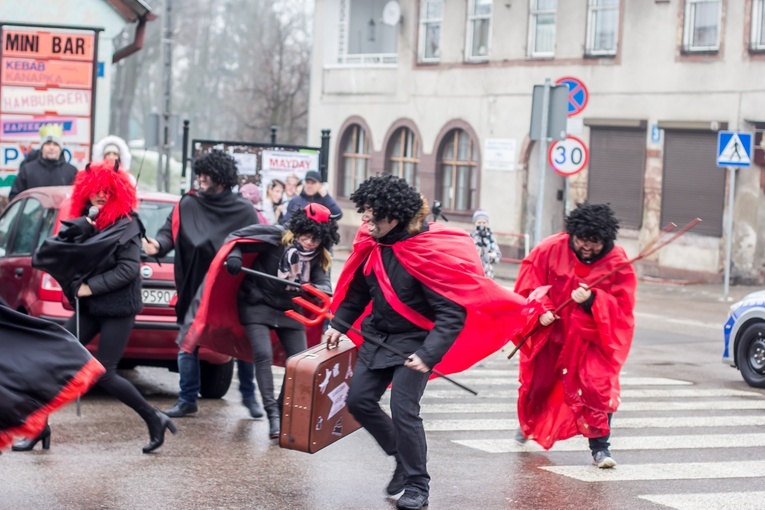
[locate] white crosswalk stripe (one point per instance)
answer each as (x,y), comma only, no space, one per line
(718,500)
(656,414)
(665,471)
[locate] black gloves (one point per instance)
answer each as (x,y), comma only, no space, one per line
(234,265)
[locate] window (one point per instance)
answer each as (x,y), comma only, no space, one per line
(602,27)
(363,38)
(6,222)
(457,185)
(758,25)
(355,159)
(404,156)
(478,30)
(542,28)
(701,31)
(23,242)
(431,16)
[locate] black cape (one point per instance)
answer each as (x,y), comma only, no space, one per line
(42,368)
(77,251)
(200,224)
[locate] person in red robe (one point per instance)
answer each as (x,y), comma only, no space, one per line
(569,375)
(420,288)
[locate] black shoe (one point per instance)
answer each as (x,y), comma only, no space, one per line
(396,484)
(519,437)
(181,409)
(28,444)
(274,427)
(412,500)
(254,407)
(157,429)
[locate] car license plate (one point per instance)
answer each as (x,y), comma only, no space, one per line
(159,297)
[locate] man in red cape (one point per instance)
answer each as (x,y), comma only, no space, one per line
(419,288)
(569,381)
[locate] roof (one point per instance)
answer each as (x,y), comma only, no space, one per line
(132,10)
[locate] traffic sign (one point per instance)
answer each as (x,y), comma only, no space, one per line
(568,157)
(734,148)
(577,94)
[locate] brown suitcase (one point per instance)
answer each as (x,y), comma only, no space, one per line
(316,384)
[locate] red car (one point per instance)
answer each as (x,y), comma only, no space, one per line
(34,215)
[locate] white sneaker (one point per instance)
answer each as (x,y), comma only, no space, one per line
(603,459)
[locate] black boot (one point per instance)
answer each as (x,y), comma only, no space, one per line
(396,484)
(157,426)
(28,444)
(274,423)
(254,407)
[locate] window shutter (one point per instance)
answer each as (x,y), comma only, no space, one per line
(692,184)
(616,172)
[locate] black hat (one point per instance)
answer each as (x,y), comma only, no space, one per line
(312,175)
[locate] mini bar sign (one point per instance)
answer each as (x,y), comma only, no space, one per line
(17,43)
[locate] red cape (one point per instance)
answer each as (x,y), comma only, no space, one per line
(446,261)
(569,380)
(216,324)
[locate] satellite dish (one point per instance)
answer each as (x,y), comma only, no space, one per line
(391,13)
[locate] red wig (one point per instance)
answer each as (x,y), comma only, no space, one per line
(103,176)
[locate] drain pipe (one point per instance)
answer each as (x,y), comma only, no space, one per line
(137,43)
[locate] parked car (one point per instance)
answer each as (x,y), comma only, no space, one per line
(744,338)
(34,215)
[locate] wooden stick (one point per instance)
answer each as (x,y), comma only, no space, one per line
(649,249)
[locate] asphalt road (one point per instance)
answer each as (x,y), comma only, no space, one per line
(689,435)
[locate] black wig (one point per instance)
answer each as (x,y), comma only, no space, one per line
(219,166)
(592,222)
(326,232)
(389,197)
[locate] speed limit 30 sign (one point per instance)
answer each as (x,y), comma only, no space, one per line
(568,157)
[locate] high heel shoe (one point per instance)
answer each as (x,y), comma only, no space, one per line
(28,444)
(157,429)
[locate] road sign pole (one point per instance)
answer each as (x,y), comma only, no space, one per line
(729,229)
(542,163)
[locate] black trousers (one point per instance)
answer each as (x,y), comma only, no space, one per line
(293,341)
(401,434)
(114,336)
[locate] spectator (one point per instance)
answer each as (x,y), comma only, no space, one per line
(291,188)
(252,194)
(48,167)
(314,192)
(113,149)
(484,240)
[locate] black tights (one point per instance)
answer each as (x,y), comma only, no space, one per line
(293,341)
(114,337)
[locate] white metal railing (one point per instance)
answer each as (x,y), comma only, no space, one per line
(368,59)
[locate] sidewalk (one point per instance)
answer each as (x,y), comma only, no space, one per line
(693,302)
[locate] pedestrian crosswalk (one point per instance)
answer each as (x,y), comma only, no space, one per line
(697,427)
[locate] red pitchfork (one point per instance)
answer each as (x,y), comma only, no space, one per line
(649,249)
(323,312)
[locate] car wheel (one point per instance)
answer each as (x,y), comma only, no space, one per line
(215,379)
(751,355)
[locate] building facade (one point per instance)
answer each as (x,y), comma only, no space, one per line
(440,92)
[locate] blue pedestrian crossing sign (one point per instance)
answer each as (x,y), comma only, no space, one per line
(734,148)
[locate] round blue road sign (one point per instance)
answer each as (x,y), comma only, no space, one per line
(577,94)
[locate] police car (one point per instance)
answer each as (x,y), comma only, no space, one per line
(744,338)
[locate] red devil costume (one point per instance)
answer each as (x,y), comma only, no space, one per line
(97,262)
(569,381)
(42,368)
(419,288)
